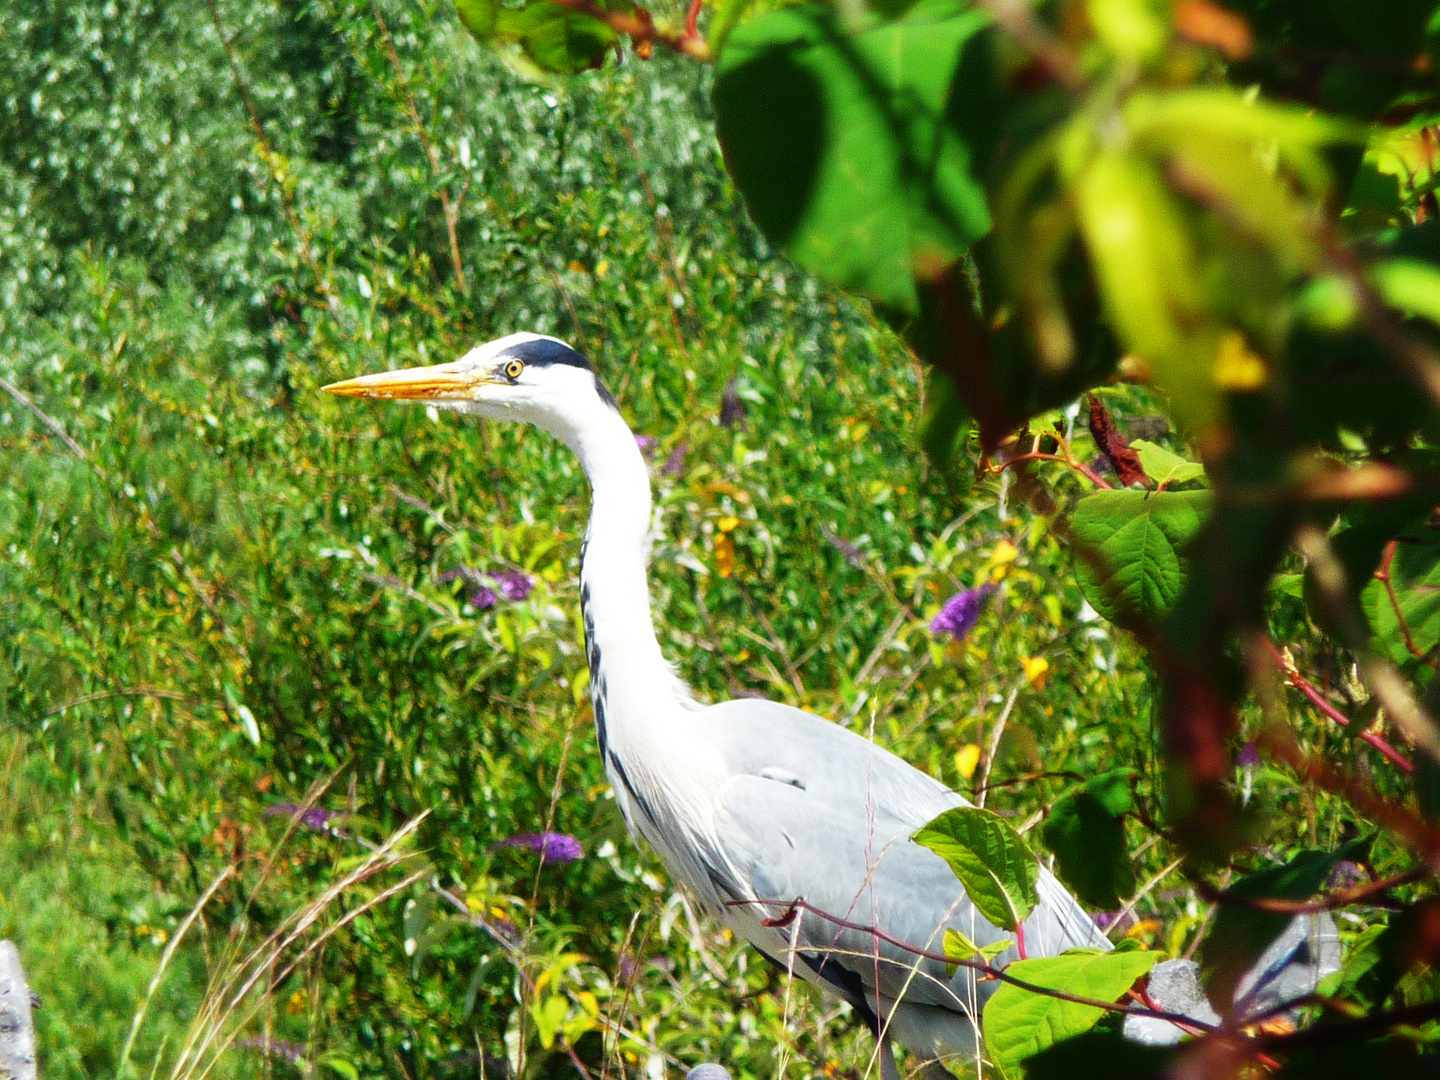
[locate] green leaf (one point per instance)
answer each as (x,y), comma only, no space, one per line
(242,713)
(1020,1023)
(1414,609)
(1130,560)
(945,424)
(1240,934)
(554,37)
(1086,831)
(340,1065)
(1165,467)
(1409,284)
(960,947)
(840,142)
(478,16)
(1099,1055)
(1147,268)
(727,15)
(996,867)
(549,1015)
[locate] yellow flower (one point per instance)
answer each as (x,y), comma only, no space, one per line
(1142,928)
(966,759)
(1237,367)
(728,523)
(1036,668)
(602,268)
(724,555)
(998,565)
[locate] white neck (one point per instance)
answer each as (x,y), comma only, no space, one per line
(637,697)
(662,767)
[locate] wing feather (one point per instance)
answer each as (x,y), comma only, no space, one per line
(814,812)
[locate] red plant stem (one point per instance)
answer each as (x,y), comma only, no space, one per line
(1080,467)
(692,19)
(640,27)
(1299,682)
(1020,940)
(1384,577)
(799,904)
(1334,902)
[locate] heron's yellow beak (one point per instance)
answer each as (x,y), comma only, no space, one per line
(439,383)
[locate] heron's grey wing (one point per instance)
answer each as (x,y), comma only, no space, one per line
(814,811)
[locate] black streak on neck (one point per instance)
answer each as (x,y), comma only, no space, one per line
(612,761)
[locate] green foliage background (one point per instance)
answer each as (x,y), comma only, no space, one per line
(213,211)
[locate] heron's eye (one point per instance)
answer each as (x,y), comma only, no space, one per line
(514,368)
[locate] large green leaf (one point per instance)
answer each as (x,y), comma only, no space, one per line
(1086,831)
(1130,551)
(1100,1055)
(996,867)
(556,38)
(839,140)
(1408,612)
(1020,1023)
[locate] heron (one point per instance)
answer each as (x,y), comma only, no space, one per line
(755,807)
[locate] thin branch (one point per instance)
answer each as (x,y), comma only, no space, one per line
(1380,677)
(792,907)
(1276,739)
(1017,18)
(51,423)
(982,789)
(1383,576)
(1334,902)
(1294,679)
(639,26)
(1065,458)
(129,691)
(452,211)
(287,198)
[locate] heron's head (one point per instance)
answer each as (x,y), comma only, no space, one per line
(525,377)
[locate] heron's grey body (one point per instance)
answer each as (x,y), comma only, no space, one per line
(761,811)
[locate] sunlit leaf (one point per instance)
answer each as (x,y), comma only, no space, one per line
(1165,467)
(1020,1023)
(997,868)
(1131,559)
(808,115)
(960,947)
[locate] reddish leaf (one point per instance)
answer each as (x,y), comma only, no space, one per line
(1206,23)
(1125,461)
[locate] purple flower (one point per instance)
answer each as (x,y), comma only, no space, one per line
(646,443)
(505,928)
(961,612)
(676,461)
(1106,919)
(1249,755)
(316,818)
(1345,875)
(513,585)
(483,598)
(551,846)
(291,1052)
